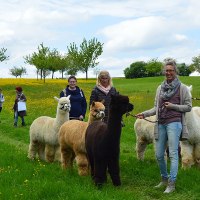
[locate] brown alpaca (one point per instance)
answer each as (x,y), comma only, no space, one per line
(72,139)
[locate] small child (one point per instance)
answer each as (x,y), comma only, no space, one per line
(1,100)
(20,97)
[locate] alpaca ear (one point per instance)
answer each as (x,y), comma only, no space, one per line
(69,97)
(56,98)
(190,88)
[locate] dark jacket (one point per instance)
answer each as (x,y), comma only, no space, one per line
(77,100)
(98,95)
(19,97)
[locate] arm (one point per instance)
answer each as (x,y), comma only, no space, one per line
(83,104)
(2,98)
(186,101)
(61,94)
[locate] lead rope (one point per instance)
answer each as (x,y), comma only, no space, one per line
(129,114)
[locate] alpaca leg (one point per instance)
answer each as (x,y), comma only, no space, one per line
(91,165)
(33,148)
(100,168)
(186,154)
(67,157)
(113,169)
(140,149)
(82,163)
(41,151)
(49,153)
(197,154)
(57,154)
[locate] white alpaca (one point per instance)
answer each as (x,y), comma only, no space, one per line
(144,131)
(44,132)
(190,149)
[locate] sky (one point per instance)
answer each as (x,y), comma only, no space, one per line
(130,30)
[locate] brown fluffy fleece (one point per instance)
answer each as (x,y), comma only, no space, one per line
(72,139)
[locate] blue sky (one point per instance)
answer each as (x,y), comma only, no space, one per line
(131,30)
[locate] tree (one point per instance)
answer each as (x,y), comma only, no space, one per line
(17,71)
(136,70)
(2,54)
(196,63)
(39,60)
(153,68)
(87,56)
(89,52)
(183,69)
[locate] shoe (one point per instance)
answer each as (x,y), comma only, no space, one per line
(23,124)
(170,188)
(163,183)
(15,124)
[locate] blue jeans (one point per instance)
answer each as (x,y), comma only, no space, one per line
(16,118)
(168,133)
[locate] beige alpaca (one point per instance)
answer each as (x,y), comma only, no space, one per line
(44,132)
(72,139)
(144,131)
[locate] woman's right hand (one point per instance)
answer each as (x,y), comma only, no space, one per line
(140,116)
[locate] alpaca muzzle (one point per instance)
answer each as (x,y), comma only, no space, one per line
(100,115)
(66,107)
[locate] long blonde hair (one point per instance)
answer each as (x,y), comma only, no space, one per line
(104,73)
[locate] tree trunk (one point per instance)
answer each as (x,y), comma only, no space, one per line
(86,74)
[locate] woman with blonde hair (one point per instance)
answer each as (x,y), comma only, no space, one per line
(103,91)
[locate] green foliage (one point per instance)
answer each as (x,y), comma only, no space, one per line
(183,69)
(136,70)
(153,68)
(2,54)
(23,179)
(86,57)
(18,71)
(196,63)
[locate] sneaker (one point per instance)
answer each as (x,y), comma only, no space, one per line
(163,183)
(15,124)
(23,124)
(170,188)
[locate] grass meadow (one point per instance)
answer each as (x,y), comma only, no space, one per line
(22,179)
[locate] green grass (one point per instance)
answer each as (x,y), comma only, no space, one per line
(21,178)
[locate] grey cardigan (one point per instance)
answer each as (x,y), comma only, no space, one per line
(185,106)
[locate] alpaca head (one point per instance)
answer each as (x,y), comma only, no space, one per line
(97,110)
(63,104)
(120,104)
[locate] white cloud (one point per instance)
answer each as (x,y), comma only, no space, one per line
(131,30)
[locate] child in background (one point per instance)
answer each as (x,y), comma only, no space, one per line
(20,97)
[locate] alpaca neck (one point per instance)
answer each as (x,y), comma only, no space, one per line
(114,125)
(91,119)
(61,118)
(192,120)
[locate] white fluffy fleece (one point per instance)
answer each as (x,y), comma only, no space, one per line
(44,132)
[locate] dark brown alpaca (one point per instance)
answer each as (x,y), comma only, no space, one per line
(103,142)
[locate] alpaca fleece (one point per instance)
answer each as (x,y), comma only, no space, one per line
(103,142)
(72,139)
(190,149)
(44,132)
